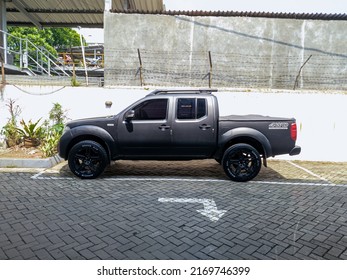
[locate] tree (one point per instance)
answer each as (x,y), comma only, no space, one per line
(65,38)
(52,39)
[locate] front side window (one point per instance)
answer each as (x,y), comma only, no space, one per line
(155,109)
(191,108)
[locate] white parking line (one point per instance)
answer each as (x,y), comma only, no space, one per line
(163,179)
(309,172)
(54,178)
(299,184)
(210,208)
(36,176)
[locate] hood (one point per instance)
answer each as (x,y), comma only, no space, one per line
(98,121)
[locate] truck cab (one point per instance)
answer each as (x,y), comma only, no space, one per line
(171,126)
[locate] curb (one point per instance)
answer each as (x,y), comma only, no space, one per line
(30,163)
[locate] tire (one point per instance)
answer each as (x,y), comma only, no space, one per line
(87,159)
(241,162)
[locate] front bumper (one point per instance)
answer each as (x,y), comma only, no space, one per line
(63,143)
(295,151)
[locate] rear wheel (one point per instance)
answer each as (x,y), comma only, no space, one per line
(241,162)
(87,159)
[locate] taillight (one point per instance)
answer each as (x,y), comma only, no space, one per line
(293,131)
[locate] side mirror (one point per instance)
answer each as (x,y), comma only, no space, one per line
(129,115)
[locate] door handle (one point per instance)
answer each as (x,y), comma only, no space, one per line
(204,126)
(163,127)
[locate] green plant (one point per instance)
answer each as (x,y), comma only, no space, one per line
(10,130)
(57,116)
(12,137)
(74,82)
(31,131)
(50,143)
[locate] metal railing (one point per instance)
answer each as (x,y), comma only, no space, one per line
(93,59)
(28,57)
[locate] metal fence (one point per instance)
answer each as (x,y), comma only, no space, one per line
(238,70)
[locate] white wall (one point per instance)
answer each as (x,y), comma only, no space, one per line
(321,117)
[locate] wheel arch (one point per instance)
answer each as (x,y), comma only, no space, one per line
(248,136)
(92,133)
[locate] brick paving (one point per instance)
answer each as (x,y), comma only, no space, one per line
(285,213)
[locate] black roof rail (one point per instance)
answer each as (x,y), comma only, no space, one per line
(188,91)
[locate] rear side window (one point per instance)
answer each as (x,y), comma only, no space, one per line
(191,108)
(155,109)
(201,112)
(186,108)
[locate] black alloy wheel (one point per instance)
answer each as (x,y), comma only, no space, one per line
(87,159)
(241,162)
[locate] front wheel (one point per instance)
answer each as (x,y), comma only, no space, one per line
(241,162)
(87,159)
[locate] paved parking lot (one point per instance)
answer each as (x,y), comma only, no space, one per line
(175,210)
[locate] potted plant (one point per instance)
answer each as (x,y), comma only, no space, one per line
(10,131)
(32,133)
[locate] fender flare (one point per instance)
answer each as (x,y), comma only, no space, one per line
(86,130)
(246,132)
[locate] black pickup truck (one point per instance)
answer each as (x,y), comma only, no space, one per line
(177,125)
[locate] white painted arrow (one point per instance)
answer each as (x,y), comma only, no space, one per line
(210,208)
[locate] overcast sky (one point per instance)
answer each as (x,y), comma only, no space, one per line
(297,6)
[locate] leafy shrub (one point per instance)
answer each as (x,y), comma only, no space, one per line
(57,115)
(32,133)
(53,131)
(12,136)
(50,141)
(31,130)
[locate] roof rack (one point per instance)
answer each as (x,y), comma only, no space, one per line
(182,91)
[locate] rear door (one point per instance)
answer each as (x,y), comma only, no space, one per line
(193,128)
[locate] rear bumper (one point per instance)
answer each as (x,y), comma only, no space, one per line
(295,151)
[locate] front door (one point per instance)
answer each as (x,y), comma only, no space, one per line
(147,134)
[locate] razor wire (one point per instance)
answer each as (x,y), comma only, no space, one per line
(192,68)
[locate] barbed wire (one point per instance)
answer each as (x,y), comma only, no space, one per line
(182,68)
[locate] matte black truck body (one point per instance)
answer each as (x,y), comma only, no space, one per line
(177,125)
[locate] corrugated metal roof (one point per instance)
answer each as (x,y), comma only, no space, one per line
(311,16)
(147,5)
(57,13)
(86,13)
(90,13)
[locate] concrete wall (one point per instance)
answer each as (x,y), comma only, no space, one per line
(321,118)
(246,52)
